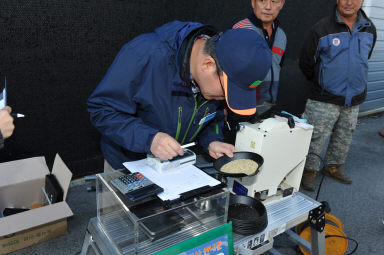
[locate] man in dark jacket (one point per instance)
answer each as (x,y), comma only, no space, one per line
(335,58)
(164,90)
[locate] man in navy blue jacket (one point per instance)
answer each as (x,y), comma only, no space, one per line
(335,59)
(165,88)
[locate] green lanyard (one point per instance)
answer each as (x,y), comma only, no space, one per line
(179,123)
(200,126)
(195,110)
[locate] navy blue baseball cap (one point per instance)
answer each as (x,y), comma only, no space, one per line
(245,58)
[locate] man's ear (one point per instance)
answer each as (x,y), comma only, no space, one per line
(209,64)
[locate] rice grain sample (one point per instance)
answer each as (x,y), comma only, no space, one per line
(240,166)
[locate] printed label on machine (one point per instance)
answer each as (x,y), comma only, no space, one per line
(254,241)
(239,189)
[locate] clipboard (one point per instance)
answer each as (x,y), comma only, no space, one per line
(183,196)
(180,184)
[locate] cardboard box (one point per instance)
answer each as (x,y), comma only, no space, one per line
(21,184)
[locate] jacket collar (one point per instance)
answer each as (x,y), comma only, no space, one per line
(183,59)
(257,22)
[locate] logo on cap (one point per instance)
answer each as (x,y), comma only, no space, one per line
(336,41)
(255,84)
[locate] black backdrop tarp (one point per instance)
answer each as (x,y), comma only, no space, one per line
(53,54)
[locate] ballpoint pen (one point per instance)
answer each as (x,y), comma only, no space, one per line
(187,145)
(17,115)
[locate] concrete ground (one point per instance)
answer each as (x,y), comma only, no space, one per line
(360,206)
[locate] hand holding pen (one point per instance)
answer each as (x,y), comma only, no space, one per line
(13,114)
(6,122)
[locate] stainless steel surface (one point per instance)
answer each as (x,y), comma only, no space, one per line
(282,215)
(290,211)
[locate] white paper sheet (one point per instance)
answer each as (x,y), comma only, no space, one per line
(173,182)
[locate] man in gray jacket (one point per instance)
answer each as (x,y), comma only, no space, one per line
(263,20)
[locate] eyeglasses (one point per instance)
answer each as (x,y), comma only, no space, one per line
(273,2)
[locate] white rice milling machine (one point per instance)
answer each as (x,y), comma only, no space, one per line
(284,150)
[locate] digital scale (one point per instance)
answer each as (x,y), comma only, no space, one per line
(162,166)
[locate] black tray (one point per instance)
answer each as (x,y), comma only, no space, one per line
(248,215)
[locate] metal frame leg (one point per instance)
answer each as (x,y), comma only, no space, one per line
(87,242)
(317,242)
(293,236)
(317,245)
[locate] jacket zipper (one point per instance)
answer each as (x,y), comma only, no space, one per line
(270,87)
(348,63)
(179,123)
(359,44)
(200,126)
(196,109)
(321,80)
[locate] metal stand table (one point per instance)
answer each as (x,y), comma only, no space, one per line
(282,216)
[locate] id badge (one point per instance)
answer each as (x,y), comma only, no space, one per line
(207,118)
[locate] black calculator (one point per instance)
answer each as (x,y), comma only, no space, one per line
(136,186)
